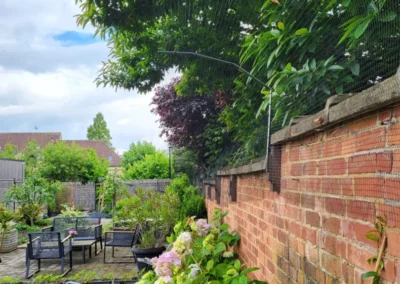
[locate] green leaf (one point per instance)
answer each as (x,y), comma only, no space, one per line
(210,265)
(335,67)
(301,31)
(355,69)
(388,16)
(361,28)
(288,67)
(224,227)
(248,270)
(220,247)
(281,26)
(275,32)
(243,280)
(237,265)
(372,237)
(369,274)
(339,89)
(325,89)
(372,259)
(346,3)
(221,269)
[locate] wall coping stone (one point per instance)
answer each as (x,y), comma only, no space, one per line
(381,95)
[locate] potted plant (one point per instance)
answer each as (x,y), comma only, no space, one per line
(153,214)
(8,235)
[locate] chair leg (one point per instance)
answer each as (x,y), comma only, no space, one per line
(62,265)
(70,259)
(112,251)
(28,263)
(105,249)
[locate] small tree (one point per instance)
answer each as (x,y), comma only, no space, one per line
(9,151)
(99,131)
(65,162)
(151,167)
(32,195)
(137,152)
(32,155)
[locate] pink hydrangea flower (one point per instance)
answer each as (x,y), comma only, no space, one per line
(203,227)
(165,264)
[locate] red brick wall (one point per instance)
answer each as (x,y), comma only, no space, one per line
(333,185)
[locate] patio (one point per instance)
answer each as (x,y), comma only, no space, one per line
(13,264)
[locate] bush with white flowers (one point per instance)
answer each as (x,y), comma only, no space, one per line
(200,252)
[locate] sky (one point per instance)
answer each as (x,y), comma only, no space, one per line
(47,70)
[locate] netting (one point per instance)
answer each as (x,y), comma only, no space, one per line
(304,51)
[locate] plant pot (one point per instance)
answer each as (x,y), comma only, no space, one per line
(10,241)
(52,214)
(139,254)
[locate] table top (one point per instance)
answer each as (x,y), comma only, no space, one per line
(78,243)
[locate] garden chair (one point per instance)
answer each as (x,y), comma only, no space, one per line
(89,228)
(61,224)
(48,245)
(119,238)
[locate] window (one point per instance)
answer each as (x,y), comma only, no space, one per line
(109,158)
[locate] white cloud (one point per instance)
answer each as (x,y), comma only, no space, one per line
(51,86)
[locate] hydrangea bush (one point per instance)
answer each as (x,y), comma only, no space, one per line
(200,252)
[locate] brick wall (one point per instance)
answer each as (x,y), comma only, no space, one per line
(333,184)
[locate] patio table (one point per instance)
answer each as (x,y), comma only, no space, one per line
(84,244)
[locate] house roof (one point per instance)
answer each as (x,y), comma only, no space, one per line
(21,139)
(102,150)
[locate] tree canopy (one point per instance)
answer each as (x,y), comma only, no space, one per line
(9,151)
(137,152)
(304,51)
(99,131)
(154,166)
(63,162)
(144,161)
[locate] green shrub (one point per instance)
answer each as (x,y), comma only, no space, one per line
(24,227)
(43,222)
(191,202)
(70,211)
(9,280)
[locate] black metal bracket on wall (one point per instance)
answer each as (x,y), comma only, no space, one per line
(274,170)
(233,188)
(218,189)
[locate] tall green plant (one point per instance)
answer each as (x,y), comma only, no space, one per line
(34,193)
(153,213)
(191,202)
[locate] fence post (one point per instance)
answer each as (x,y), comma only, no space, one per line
(15,183)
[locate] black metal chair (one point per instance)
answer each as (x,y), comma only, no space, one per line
(61,224)
(119,238)
(48,245)
(89,228)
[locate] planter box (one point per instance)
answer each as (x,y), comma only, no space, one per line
(10,241)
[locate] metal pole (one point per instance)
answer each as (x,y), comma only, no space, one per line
(250,75)
(170,163)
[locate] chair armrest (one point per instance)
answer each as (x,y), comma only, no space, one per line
(98,230)
(66,239)
(48,228)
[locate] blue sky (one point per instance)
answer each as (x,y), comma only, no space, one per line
(69,38)
(47,69)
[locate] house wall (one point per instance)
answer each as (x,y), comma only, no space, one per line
(333,185)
